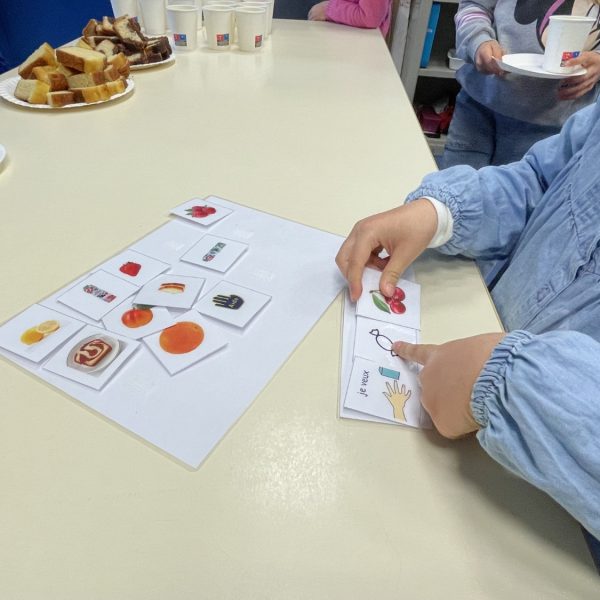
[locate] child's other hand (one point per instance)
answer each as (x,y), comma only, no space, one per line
(317,12)
(449,373)
(485,58)
(574,87)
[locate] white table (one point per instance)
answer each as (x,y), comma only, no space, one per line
(293,503)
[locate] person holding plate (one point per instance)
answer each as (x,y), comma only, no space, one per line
(498,117)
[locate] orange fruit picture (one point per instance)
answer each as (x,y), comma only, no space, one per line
(31,336)
(181,338)
(138,316)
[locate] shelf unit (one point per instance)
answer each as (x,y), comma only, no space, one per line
(425,85)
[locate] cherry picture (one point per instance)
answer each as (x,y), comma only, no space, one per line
(389,304)
(200,212)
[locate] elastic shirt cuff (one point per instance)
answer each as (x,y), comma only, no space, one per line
(445,223)
(491,379)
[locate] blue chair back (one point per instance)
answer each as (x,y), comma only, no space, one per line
(26,25)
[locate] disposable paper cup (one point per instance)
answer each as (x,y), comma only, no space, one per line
(229,4)
(264,4)
(271,5)
(219,21)
(183,23)
(565,40)
(155,18)
(250,27)
(124,7)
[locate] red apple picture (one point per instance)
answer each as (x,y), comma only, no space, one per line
(138,316)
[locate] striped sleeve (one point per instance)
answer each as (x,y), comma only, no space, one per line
(474,25)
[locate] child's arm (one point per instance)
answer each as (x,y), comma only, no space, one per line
(537,402)
(368,14)
(474,26)
(534,399)
(490,207)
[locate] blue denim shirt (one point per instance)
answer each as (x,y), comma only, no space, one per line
(538,397)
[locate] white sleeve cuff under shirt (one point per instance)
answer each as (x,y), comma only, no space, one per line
(445,225)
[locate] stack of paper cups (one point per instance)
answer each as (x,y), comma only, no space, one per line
(566,38)
(251,23)
(155,18)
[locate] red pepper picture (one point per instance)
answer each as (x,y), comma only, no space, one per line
(130,268)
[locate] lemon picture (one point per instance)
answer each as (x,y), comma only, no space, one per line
(47,327)
(36,334)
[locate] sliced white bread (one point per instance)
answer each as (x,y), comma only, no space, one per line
(60,99)
(81,59)
(44,55)
(33,91)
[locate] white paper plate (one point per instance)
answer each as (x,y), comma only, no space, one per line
(531,65)
(152,65)
(7,91)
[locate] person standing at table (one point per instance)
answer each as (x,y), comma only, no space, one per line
(533,394)
(368,14)
(498,116)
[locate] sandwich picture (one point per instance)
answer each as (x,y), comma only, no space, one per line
(172,288)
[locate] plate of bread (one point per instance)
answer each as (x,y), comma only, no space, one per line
(68,77)
(123,34)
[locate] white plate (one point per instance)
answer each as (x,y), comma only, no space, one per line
(104,362)
(152,65)
(2,153)
(531,65)
(7,91)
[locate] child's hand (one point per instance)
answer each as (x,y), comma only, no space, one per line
(447,379)
(317,12)
(485,58)
(403,233)
(574,87)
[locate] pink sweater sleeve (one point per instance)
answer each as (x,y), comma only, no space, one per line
(368,14)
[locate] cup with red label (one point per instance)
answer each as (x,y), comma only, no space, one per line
(566,37)
(219,24)
(183,23)
(250,27)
